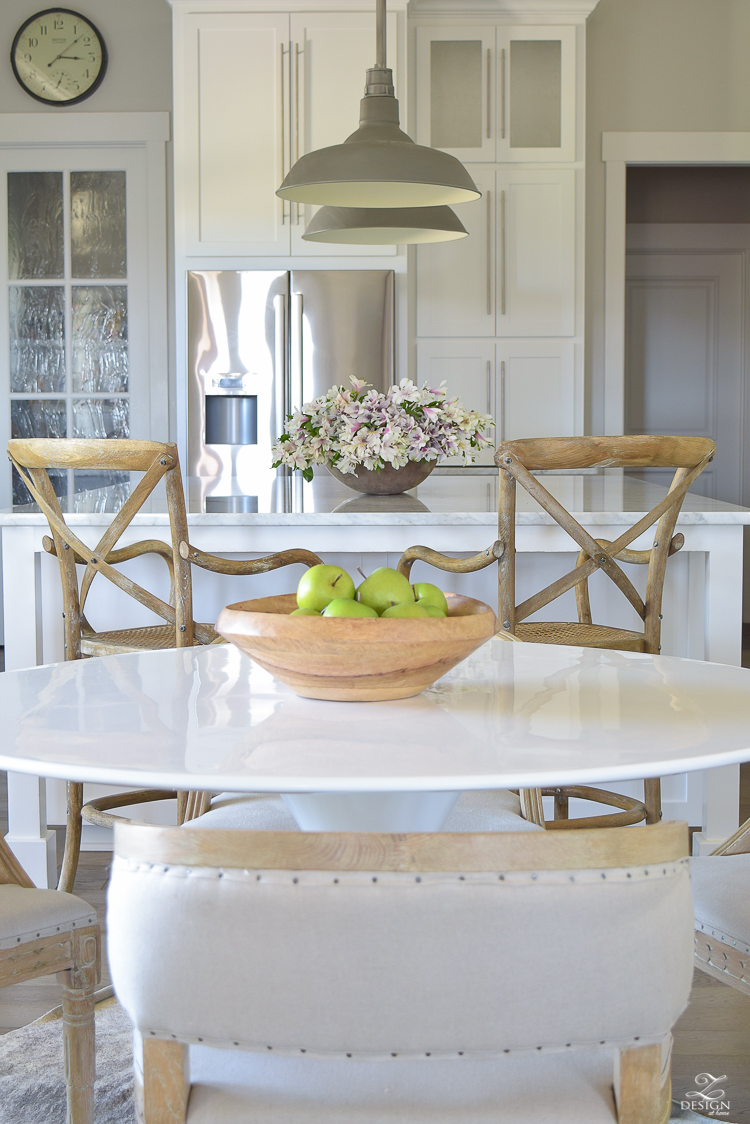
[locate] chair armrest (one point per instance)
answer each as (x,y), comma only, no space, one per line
(243,566)
(454,565)
(737,844)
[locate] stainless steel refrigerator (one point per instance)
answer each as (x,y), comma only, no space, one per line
(263,342)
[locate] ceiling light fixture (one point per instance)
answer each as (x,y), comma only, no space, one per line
(384,226)
(378,165)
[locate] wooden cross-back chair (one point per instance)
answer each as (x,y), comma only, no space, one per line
(33,460)
(43,932)
(516,461)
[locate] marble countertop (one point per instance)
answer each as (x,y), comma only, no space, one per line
(448,496)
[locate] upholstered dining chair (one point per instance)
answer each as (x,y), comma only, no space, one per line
(721,898)
(41,932)
(404,978)
(34,460)
(516,462)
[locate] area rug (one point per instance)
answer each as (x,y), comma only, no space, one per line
(31,1088)
(31,1069)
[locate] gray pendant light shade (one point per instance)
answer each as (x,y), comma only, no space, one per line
(379,165)
(384,226)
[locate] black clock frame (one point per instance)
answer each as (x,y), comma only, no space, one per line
(79,97)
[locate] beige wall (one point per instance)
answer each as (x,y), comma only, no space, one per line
(138,34)
(654,65)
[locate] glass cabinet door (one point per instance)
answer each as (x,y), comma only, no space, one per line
(75,281)
(536,94)
(456,84)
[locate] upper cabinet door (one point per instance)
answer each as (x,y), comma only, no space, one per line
(330,53)
(536,93)
(456,90)
(456,280)
(233,134)
(536,252)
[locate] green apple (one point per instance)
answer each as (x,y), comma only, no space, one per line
(321,584)
(345,607)
(406,609)
(384,588)
(304,613)
(433,610)
(427,594)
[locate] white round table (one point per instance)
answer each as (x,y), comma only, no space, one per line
(510,716)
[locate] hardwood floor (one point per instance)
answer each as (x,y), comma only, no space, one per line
(712,1036)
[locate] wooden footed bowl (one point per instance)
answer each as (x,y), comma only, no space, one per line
(355,659)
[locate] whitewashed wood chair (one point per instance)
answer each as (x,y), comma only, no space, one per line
(34,459)
(318,978)
(721,897)
(41,932)
(516,462)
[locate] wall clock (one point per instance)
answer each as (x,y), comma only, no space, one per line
(59,57)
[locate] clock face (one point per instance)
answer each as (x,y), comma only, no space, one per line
(58,57)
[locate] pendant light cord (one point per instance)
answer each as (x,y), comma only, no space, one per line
(380,39)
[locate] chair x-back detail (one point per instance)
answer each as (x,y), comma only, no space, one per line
(517,460)
(33,459)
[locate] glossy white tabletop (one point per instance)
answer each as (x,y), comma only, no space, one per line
(511,715)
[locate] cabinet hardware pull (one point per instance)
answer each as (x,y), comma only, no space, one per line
(297,53)
(281,373)
(502,253)
(502,94)
(283,138)
(489,387)
(501,411)
(489,97)
(297,371)
(489,254)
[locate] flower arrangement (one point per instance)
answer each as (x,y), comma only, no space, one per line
(361,426)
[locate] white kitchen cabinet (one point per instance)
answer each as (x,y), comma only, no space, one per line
(536,252)
(456,280)
(254,91)
(515,275)
(468,369)
(497,94)
(537,391)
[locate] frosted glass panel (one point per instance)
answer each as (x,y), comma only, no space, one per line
(456,93)
(35,226)
(100,338)
(535,93)
(38,417)
(101,417)
(37,338)
(97,224)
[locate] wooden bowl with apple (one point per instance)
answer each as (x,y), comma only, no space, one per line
(355,658)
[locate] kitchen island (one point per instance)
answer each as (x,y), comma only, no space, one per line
(455,511)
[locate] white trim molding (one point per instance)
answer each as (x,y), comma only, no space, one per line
(83,128)
(619,150)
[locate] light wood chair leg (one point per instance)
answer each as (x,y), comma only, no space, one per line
(73,827)
(78,986)
(532,808)
(652,799)
(643,1085)
(166,1081)
(561,805)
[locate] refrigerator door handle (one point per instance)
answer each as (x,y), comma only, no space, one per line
(296,349)
(281,392)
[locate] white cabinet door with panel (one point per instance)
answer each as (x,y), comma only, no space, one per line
(468,369)
(536,249)
(455,90)
(330,53)
(232,133)
(537,393)
(536,94)
(456,280)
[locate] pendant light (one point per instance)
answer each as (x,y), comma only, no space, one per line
(384,226)
(379,165)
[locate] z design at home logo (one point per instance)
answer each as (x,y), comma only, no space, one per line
(707,1096)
